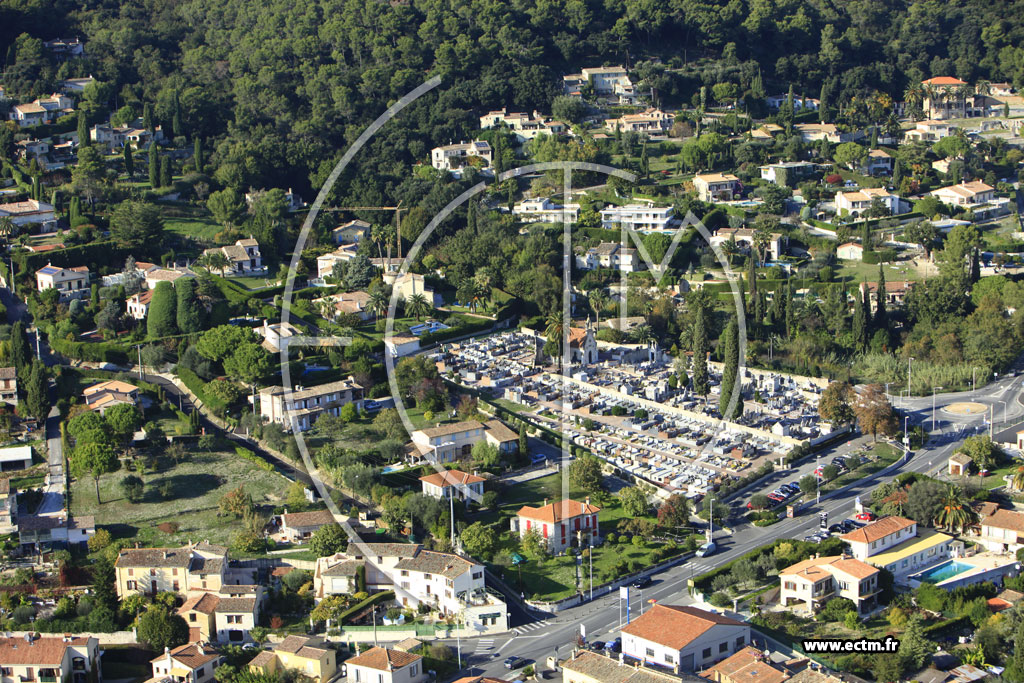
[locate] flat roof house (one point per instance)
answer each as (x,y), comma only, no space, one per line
(28,212)
(639,217)
(15,458)
(71,283)
(684,637)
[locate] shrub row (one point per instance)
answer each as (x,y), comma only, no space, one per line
(198,387)
(372,600)
(246,454)
(96,352)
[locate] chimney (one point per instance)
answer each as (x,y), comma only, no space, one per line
(545,502)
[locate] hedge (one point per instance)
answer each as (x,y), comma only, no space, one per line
(94,255)
(96,352)
(198,387)
(456,331)
(372,600)
(246,454)
(874,257)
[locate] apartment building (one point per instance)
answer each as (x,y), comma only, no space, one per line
(189,663)
(639,217)
(685,637)
(817,580)
(559,523)
(1002,531)
(50,659)
(180,570)
(305,404)
(450,442)
(307,656)
(384,665)
(71,283)
(446,582)
(713,187)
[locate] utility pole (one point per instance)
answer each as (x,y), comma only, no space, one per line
(139,348)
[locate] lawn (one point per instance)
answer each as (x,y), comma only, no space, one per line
(198,228)
(196,486)
(254,283)
(858,271)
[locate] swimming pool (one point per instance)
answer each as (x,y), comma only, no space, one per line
(946,570)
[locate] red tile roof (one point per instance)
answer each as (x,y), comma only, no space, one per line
(554,512)
(675,626)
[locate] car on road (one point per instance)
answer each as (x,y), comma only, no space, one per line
(708,548)
(866,516)
(642,582)
(514,662)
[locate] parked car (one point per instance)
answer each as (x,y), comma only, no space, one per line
(866,516)
(613,645)
(836,529)
(514,662)
(597,645)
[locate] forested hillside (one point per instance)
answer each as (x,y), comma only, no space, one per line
(277,89)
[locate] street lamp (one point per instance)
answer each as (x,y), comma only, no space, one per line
(909,365)
(933,407)
(1004,410)
(906,434)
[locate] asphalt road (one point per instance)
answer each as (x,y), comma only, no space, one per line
(542,635)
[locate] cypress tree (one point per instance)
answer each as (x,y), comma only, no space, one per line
(975,265)
(897,176)
(83,129)
(154,165)
(499,152)
(860,332)
(757,85)
(874,137)
(165,172)
(189,316)
(147,117)
(162,318)
(21,352)
(645,163)
(129,161)
(789,314)
(880,315)
(730,372)
(176,127)
(36,401)
(197,154)
(701,384)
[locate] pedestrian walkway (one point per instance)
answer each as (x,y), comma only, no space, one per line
(526,628)
(485,644)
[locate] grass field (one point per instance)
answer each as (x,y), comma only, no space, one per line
(858,271)
(196,487)
(197,227)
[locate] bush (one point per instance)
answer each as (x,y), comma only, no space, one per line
(720,599)
(100,540)
(246,454)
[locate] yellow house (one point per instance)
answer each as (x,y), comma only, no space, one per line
(69,659)
(179,570)
(303,655)
(214,618)
(189,663)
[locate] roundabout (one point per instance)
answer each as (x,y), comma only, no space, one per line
(965,408)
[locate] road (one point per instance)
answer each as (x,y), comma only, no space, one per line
(542,635)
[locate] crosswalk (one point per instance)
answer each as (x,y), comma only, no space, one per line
(526,628)
(700,567)
(485,644)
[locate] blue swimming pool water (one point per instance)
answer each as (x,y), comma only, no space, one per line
(946,570)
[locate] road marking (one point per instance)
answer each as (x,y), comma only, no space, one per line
(526,628)
(485,644)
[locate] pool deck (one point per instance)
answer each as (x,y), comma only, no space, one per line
(984,567)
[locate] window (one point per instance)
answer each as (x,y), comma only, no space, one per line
(478,575)
(739,642)
(669,659)
(174,572)
(723,647)
(380,560)
(131,572)
(427,577)
(200,672)
(650,652)
(192,616)
(130,585)
(405,572)
(412,670)
(706,654)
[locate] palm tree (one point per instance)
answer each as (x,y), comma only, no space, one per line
(1018,476)
(555,328)
(598,300)
(379,302)
(214,260)
(479,294)
(417,305)
(955,515)
(643,333)
(913,96)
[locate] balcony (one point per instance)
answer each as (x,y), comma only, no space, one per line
(48,679)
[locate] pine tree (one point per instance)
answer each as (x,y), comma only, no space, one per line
(754,316)
(701,383)
(730,372)
(189,314)
(197,154)
(129,161)
(165,172)
(880,315)
(154,165)
(471,217)
(865,236)
(162,318)
(83,129)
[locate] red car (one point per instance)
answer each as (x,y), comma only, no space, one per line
(865,516)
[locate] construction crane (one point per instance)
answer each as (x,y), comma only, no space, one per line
(398,218)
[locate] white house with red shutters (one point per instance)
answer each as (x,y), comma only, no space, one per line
(559,523)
